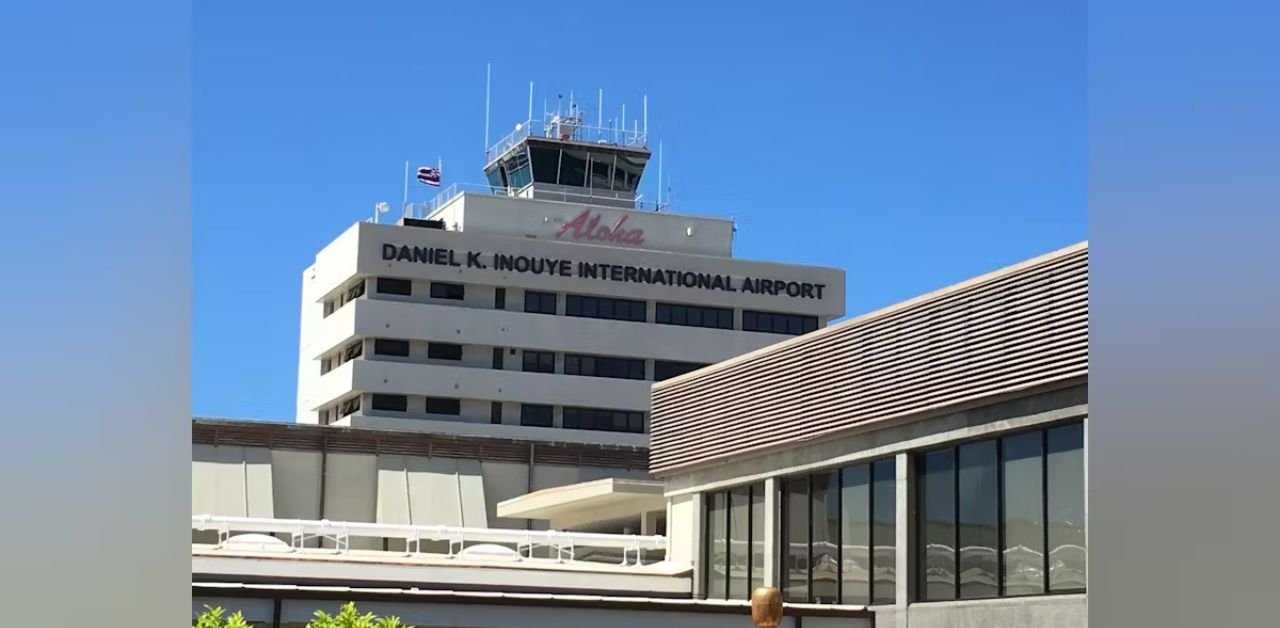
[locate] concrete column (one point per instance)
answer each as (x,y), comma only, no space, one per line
(648,523)
(905,541)
(772,527)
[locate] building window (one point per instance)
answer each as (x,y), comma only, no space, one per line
(666,369)
(387,285)
(355,291)
(597,366)
(693,316)
(495,413)
(839,535)
(349,407)
(393,403)
(444,290)
(539,302)
(774,323)
(442,405)
(444,351)
(384,346)
(500,299)
(1003,517)
(497,358)
(539,361)
(604,307)
(326,365)
(534,415)
(733,554)
(604,420)
(353,351)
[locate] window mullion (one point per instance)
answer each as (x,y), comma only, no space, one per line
(955,478)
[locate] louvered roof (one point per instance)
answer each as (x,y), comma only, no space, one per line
(1016,329)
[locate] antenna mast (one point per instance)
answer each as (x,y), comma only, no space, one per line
(487,71)
(600,109)
(531,101)
(659,175)
(646,119)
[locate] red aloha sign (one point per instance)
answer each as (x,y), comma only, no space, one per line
(586,226)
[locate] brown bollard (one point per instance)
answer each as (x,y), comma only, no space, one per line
(766,607)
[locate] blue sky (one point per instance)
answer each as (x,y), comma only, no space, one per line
(914,144)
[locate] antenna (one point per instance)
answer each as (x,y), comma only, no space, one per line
(659,175)
(600,108)
(487,74)
(531,101)
(646,119)
(624,122)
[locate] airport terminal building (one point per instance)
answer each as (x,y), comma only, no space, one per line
(922,465)
(926,460)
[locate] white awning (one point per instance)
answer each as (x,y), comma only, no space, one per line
(586,503)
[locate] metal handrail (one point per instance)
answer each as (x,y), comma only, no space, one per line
(609,136)
(444,196)
(563,543)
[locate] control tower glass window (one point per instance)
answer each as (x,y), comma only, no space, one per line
(601,171)
(546,163)
(573,168)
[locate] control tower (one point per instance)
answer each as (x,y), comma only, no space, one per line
(562,158)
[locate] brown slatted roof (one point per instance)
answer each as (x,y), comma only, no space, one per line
(1018,328)
(370,441)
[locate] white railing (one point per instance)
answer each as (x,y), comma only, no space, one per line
(567,129)
(564,546)
(425,210)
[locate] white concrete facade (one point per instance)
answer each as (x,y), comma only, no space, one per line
(465,365)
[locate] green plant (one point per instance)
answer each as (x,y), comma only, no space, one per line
(349,617)
(212,618)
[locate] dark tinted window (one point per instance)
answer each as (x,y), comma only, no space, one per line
(795,539)
(604,420)
(1065,479)
(539,302)
(1024,565)
(546,163)
(353,350)
(444,351)
(599,366)
(495,412)
(535,415)
(386,285)
(938,501)
(733,553)
(350,406)
(604,307)
(666,369)
(884,531)
(693,316)
(440,405)
(573,168)
(394,403)
(824,538)
(539,362)
(500,299)
(979,502)
(385,346)
(497,358)
(775,323)
(442,290)
(990,499)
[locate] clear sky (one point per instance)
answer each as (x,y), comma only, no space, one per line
(914,144)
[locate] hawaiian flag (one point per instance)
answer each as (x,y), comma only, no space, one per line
(429,176)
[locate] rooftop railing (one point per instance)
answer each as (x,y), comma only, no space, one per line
(568,129)
(443,197)
(523,545)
